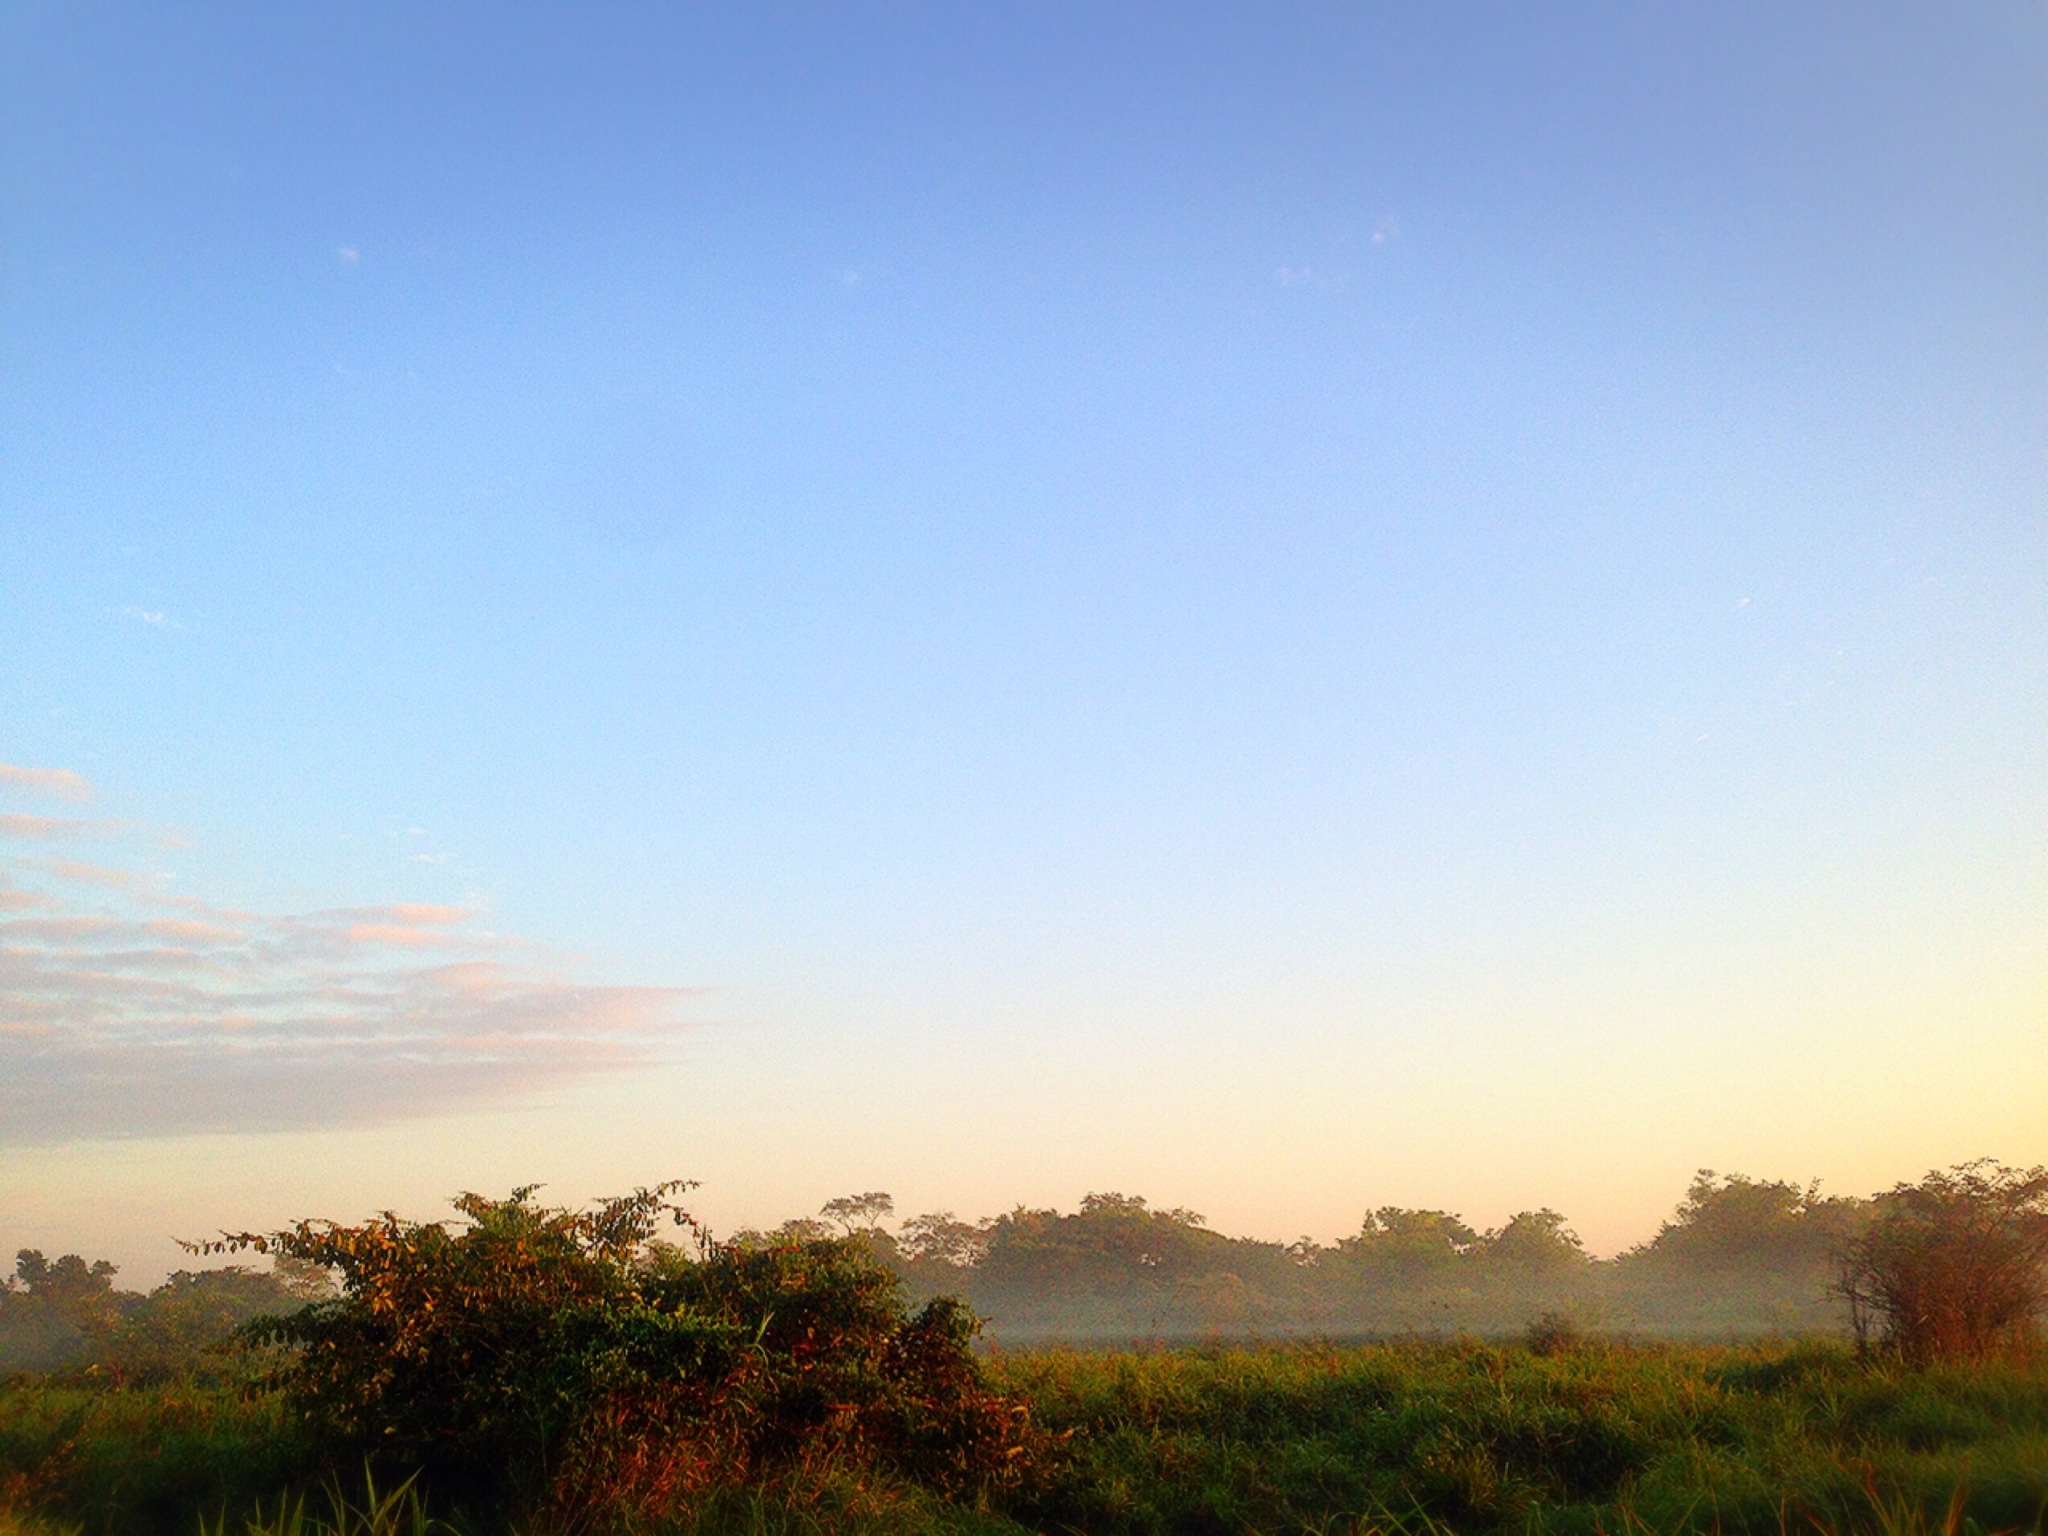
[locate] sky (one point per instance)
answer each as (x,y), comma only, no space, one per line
(1285,608)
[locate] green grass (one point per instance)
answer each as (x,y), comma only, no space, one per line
(139,1461)
(1480,1438)
(1466,1438)
(389,1511)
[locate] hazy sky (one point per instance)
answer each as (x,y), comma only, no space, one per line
(1285,608)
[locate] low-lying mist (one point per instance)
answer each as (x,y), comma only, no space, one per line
(1738,1257)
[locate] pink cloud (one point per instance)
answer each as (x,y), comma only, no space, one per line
(190,928)
(60,782)
(13,824)
(48,828)
(101,874)
(55,927)
(392,933)
(428,915)
(116,1020)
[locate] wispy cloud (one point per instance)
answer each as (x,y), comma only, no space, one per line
(49,828)
(128,1010)
(1311,277)
(60,782)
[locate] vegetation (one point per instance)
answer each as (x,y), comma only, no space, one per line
(66,1313)
(1740,1258)
(1477,1437)
(542,1370)
(1951,1268)
(556,1365)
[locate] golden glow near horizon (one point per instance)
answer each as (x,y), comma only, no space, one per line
(1282,609)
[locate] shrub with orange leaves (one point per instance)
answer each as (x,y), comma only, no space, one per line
(543,1360)
(1954,1267)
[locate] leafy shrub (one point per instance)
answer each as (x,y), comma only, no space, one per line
(53,1311)
(561,1364)
(65,1315)
(1951,1268)
(1554,1333)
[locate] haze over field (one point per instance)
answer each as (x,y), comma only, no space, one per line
(1290,609)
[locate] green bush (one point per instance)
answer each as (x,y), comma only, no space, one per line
(1952,1268)
(560,1365)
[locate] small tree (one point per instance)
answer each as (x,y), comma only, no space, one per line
(55,1312)
(859,1213)
(1534,1243)
(1951,1268)
(942,1238)
(563,1366)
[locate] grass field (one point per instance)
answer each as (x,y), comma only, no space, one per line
(1463,1437)
(1480,1438)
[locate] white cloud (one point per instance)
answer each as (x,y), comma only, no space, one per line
(117,1020)
(1311,278)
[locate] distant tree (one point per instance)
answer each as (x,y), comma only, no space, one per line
(1305,1252)
(55,1312)
(942,1238)
(1535,1243)
(1115,1205)
(1736,1224)
(1114,1244)
(1395,1241)
(1951,1268)
(69,1285)
(302,1279)
(859,1213)
(188,1325)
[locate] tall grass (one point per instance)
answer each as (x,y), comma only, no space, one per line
(137,1461)
(1583,1439)
(394,1511)
(1479,1438)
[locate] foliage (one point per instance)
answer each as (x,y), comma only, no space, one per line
(66,1314)
(1534,1243)
(135,1460)
(561,1363)
(568,1371)
(1952,1268)
(942,1240)
(859,1213)
(1475,1438)
(396,1511)
(52,1312)
(1389,1438)
(1739,1258)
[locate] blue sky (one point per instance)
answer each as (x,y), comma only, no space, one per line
(1291,607)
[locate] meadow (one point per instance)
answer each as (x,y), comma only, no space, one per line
(1572,1436)
(554,1372)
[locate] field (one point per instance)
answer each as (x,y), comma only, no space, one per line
(1567,1436)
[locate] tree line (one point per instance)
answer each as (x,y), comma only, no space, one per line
(1739,1257)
